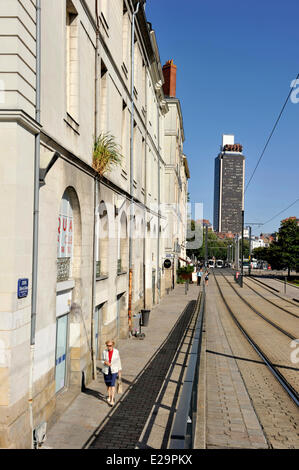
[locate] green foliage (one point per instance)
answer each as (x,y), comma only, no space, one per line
(106,153)
(283,253)
(185,269)
(216,246)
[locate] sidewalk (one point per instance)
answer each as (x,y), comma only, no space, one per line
(89,411)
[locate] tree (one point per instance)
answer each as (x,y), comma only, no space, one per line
(217,247)
(284,252)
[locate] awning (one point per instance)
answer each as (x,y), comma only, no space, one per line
(185,260)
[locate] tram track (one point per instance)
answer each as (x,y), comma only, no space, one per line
(270,301)
(275,325)
(289,389)
(271,289)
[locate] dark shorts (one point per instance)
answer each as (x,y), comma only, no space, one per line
(110,378)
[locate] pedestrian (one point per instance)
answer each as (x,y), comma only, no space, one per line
(111,369)
(207,277)
(199,274)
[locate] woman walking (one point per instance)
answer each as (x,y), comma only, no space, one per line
(111,369)
(207,278)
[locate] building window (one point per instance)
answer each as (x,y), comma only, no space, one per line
(105,13)
(103,98)
(126,37)
(65,239)
(124,136)
(72,61)
(103,242)
(122,244)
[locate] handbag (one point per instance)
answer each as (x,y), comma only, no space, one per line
(119,386)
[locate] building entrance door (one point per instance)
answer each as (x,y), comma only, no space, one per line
(154,286)
(97,328)
(63,305)
(61,352)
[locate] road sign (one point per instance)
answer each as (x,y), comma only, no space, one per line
(23,288)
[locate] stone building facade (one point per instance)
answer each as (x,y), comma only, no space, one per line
(91,249)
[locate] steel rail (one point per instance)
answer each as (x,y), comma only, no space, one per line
(187,406)
(293,394)
(289,335)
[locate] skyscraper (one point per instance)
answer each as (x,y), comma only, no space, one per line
(229,186)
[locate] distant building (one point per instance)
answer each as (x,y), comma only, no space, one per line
(257,243)
(229,186)
(225,235)
(267,238)
(206,223)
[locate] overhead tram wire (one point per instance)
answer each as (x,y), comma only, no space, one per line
(274,217)
(272,132)
(293,203)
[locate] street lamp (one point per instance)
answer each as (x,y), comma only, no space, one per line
(242,255)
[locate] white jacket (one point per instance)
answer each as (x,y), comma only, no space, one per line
(115,362)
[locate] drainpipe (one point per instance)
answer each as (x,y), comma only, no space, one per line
(35,215)
(96,190)
(159,214)
(145,198)
(94,280)
(131,170)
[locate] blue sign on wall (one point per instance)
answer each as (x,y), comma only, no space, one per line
(23,288)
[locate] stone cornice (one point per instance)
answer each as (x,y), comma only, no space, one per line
(20,117)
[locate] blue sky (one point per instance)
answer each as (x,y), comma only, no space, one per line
(235,63)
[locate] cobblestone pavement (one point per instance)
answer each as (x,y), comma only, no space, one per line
(89,412)
(276,414)
(231,421)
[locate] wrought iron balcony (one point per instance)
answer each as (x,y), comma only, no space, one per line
(98,269)
(119,267)
(63,269)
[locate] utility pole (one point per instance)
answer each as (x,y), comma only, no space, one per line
(242,254)
(206,247)
(249,267)
(237,252)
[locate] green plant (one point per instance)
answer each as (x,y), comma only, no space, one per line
(185,270)
(180,280)
(106,153)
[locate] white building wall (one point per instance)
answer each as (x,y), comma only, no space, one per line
(69,129)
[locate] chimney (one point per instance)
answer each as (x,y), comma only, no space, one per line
(169,72)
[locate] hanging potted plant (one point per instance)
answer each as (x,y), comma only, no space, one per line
(106,153)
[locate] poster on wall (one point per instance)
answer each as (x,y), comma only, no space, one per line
(65,230)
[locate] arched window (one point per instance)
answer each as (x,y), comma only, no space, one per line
(65,239)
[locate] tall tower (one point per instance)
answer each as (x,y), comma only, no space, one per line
(229,186)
